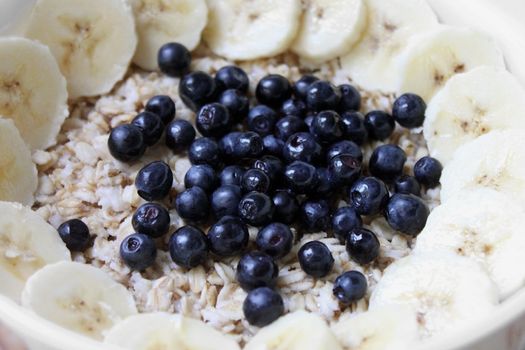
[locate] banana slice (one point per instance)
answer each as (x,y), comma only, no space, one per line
(494,160)
(299,330)
(430,59)
(32,91)
(473,225)
(371,63)
(160,21)
(393,327)
(245,30)
(472,104)
(167,331)
(78,297)
(329,28)
(446,291)
(93,41)
(27,243)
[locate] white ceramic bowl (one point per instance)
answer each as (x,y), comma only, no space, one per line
(505,330)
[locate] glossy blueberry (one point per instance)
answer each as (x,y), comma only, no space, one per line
(273,145)
(197,89)
(300,88)
(354,127)
(286,206)
(409,110)
(408,185)
(205,150)
(174,59)
(203,176)
(163,106)
(316,259)
(350,287)
(236,102)
(315,215)
(362,245)
(407,213)
(322,95)
(225,200)
(427,171)
(237,145)
(295,107)
(302,146)
(273,90)
(345,169)
(188,247)
(350,99)
(289,125)
(262,306)
(275,239)
(228,236)
(232,175)
(126,143)
(344,220)
(301,177)
(151,219)
(387,162)
(256,209)
(368,196)
(256,269)
(327,127)
(154,181)
(138,251)
(380,125)
(255,180)
(326,183)
(192,204)
(75,235)
(232,77)
(344,147)
(179,135)
(213,120)
(271,166)
(261,119)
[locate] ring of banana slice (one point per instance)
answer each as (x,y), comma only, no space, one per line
(463,263)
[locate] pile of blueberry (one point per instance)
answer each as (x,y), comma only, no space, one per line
(286,161)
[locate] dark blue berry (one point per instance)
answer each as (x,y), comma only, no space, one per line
(301,177)
(271,166)
(302,146)
(309,119)
(380,125)
(427,171)
(408,185)
(387,162)
(262,306)
(326,183)
(344,147)
(315,215)
(236,102)
(151,219)
(225,200)
(197,89)
(203,176)
(273,145)
(237,146)
(256,209)
(192,204)
(273,90)
(232,77)
(350,99)
(345,169)
(322,95)
(368,196)
(232,175)
(126,143)
(344,220)
(213,120)
(362,245)
(289,125)
(75,235)
(407,213)
(256,269)
(228,236)
(276,240)
(205,150)
(163,106)
(261,119)
(327,127)
(350,287)
(174,59)
(354,127)
(316,259)
(154,181)
(179,135)
(295,107)
(409,110)
(138,251)
(286,207)
(300,88)
(188,247)
(255,180)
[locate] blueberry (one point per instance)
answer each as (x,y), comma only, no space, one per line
(232,77)
(138,251)
(322,95)
(350,287)
(362,245)
(275,239)
(309,119)
(427,171)
(228,236)
(75,235)
(163,106)
(188,247)
(203,176)
(232,175)
(344,147)
(151,219)
(126,143)
(344,220)
(409,111)
(294,107)
(236,102)
(301,177)
(326,183)
(179,135)
(315,215)
(273,90)
(205,150)
(213,120)
(151,126)
(387,162)
(302,146)
(174,59)
(197,89)
(261,119)
(407,213)
(368,196)
(316,259)
(256,269)
(225,200)
(273,145)
(327,127)
(256,209)
(255,180)
(237,145)
(192,204)
(286,206)
(271,166)
(350,99)
(407,184)
(154,181)
(289,125)
(262,306)
(380,125)
(300,88)
(345,169)
(354,127)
